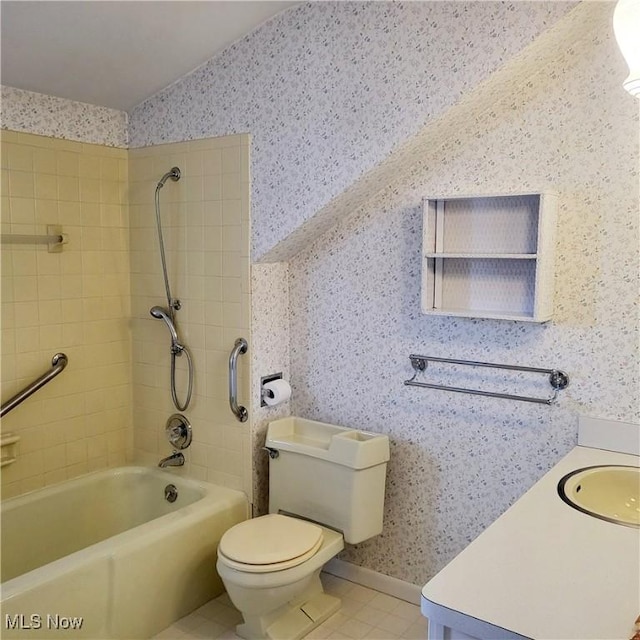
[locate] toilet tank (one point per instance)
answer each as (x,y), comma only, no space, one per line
(332,475)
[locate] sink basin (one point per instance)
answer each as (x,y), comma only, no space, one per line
(608,492)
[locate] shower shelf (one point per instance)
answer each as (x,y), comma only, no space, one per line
(8,442)
(54,238)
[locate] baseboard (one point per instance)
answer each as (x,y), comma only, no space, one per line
(374,580)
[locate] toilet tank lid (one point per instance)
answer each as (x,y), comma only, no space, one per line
(269,539)
(344,446)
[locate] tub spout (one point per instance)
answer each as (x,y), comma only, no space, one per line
(176,459)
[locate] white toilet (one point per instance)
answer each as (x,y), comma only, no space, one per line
(329,481)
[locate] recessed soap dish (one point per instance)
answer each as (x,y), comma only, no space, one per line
(8,442)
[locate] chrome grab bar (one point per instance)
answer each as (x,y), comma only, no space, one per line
(557,379)
(58,363)
(240,412)
(18,238)
(54,238)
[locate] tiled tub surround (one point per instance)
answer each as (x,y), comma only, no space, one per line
(205,223)
(76,302)
(458,461)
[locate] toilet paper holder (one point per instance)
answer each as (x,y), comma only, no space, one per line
(267,393)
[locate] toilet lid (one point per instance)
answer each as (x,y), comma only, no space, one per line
(270,540)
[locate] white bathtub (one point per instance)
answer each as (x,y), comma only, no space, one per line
(106,556)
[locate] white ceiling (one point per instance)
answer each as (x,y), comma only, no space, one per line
(116,54)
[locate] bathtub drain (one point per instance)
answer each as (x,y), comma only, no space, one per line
(170,493)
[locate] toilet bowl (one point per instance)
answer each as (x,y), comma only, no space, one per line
(271,567)
(326,487)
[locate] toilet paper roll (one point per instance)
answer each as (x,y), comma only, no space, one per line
(276,392)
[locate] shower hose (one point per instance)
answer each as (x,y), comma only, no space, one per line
(177,349)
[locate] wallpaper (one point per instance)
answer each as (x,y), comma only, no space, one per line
(328,89)
(458,461)
(60,118)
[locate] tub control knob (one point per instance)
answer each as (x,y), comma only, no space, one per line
(178,431)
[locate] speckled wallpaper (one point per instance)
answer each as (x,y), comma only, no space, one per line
(328,90)
(60,118)
(458,461)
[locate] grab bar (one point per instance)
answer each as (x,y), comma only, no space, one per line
(557,379)
(240,412)
(58,363)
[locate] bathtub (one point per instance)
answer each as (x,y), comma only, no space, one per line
(107,556)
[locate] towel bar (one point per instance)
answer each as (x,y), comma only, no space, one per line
(54,239)
(557,379)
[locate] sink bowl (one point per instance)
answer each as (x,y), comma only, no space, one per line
(608,492)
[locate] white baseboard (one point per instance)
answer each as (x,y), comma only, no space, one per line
(374,580)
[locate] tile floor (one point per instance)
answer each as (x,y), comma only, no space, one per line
(365,613)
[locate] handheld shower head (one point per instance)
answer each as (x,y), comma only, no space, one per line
(177,349)
(161,314)
(174,174)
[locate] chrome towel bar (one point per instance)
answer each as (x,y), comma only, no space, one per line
(239,347)
(58,363)
(23,238)
(557,379)
(54,239)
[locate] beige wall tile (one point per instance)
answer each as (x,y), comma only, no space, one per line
(21,184)
(192,218)
(53,303)
(114,395)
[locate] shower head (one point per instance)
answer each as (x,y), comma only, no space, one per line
(174,174)
(161,314)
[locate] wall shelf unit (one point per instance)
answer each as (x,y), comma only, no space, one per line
(489,256)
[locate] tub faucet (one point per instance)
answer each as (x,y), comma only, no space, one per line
(176,459)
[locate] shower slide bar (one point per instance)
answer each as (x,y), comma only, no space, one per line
(54,238)
(58,363)
(557,379)
(239,411)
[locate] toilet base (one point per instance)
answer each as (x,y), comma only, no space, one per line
(295,619)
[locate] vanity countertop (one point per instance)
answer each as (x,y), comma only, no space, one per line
(544,570)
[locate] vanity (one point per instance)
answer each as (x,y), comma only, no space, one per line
(546,570)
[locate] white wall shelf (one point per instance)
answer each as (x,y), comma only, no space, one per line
(489,256)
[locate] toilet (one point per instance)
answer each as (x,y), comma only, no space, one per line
(326,487)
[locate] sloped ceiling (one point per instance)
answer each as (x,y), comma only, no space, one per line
(117,54)
(484,106)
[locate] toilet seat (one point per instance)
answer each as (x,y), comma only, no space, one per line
(269,543)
